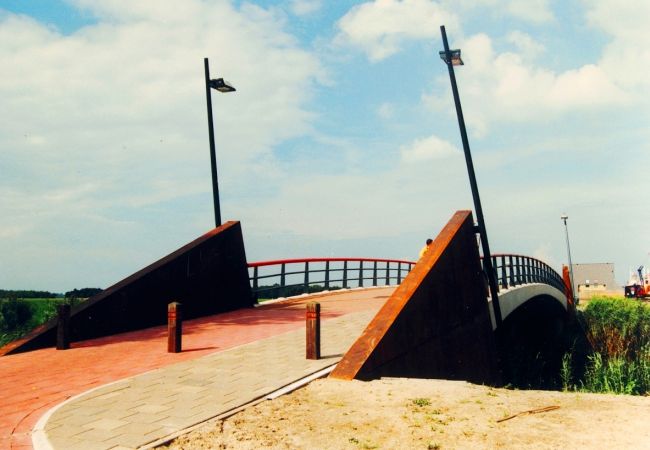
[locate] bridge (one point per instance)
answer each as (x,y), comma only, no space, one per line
(431,318)
(443,294)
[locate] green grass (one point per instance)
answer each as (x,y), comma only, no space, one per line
(618,331)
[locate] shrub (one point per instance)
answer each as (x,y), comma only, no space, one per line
(618,331)
(617,327)
(15,314)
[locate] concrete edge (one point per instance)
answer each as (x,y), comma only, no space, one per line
(40,440)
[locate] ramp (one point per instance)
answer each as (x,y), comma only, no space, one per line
(437,323)
(209,275)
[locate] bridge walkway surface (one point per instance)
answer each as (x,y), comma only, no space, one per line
(126,391)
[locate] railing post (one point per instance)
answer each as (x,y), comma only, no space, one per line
(345,274)
(174,327)
(313,331)
(399,273)
(374,274)
(360,273)
(504,272)
(495,272)
(387,273)
(282,275)
(63,327)
(512,271)
(306,287)
(255,284)
(327,275)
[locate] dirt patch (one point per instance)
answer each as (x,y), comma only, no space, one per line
(428,414)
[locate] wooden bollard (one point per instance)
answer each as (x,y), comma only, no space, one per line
(313,330)
(174,327)
(63,327)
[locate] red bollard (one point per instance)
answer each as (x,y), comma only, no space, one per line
(174,327)
(313,330)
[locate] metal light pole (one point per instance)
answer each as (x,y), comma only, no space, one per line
(222,86)
(564,218)
(452,58)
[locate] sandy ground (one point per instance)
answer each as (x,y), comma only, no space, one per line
(429,414)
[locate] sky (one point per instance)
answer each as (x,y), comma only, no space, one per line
(340,141)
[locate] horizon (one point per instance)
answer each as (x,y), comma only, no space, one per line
(341,140)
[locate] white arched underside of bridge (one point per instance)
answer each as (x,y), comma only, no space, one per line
(512,298)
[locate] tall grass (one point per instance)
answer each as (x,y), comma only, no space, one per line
(618,331)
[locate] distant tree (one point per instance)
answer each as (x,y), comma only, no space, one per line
(5,293)
(82,293)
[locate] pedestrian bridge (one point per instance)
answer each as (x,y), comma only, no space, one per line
(439,322)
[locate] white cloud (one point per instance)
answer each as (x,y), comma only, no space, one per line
(386,111)
(626,59)
(381,27)
(533,11)
(498,87)
(427,149)
(528,47)
(102,126)
(305,7)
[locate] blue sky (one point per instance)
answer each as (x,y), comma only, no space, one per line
(341,139)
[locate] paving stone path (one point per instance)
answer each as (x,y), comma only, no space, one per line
(228,360)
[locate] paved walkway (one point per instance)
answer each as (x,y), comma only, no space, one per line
(228,360)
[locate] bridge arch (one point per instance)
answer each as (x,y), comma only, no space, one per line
(541,295)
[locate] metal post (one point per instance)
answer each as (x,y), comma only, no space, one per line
(174,328)
(345,274)
(360,273)
(327,275)
(512,271)
(374,274)
(306,285)
(568,250)
(213,156)
(63,327)
(487,258)
(313,331)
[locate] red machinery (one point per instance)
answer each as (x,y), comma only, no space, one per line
(638,288)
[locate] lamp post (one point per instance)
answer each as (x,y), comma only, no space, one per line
(451,59)
(222,86)
(564,218)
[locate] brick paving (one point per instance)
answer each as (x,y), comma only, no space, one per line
(216,349)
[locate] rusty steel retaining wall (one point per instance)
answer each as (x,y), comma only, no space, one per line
(436,324)
(209,275)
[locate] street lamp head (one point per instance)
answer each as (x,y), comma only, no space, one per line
(564,217)
(221,85)
(454,57)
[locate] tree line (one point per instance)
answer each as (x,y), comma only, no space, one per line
(75,293)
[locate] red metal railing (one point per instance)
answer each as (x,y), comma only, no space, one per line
(303,275)
(287,277)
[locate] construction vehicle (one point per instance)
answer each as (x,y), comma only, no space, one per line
(638,287)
